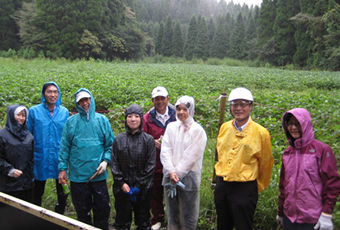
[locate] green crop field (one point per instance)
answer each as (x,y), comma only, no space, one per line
(117,85)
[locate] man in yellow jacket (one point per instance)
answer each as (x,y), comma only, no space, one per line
(245,164)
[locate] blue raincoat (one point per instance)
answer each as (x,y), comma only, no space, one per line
(85,143)
(47,132)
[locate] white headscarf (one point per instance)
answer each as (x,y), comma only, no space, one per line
(19,109)
(189,103)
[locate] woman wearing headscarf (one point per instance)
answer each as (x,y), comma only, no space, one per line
(309,181)
(132,165)
(16,155)
(182,153)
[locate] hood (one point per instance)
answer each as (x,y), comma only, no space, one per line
(134,108)
(59,93)
(305,120)
(92,109)
(20,131)
(190,104)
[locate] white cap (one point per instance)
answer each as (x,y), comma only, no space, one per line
(82,94)
(159,91)
(240,93)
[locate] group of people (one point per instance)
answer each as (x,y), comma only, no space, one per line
(160,155)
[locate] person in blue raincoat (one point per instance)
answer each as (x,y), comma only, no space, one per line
(46,121)
(86,145)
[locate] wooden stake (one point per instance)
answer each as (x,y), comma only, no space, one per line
(220,122)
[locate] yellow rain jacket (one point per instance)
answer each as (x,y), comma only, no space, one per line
(246,155)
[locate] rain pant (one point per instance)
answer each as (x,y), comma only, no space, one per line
(309,181)
(16,152)
(47,132)
(182,153)
(133,163)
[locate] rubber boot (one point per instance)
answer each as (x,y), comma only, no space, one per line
(61,204)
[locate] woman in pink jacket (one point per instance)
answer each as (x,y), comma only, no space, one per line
(309,181)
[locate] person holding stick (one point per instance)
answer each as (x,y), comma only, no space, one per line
(86,151)
(309,180)
(245,164)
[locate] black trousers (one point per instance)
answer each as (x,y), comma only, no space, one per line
(39,189)
(288,225)
(235,204)
(26,195)
(94,196)
(124,208)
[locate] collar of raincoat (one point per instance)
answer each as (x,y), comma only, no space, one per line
(134,108)
(12,125)
(58,102)
(187,100)
(89,115)
(305,120)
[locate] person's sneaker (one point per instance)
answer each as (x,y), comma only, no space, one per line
(156,226)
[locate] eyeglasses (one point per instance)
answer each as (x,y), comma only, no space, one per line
(290,124)
(242,104)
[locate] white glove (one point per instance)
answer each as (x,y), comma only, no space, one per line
(324,222)
(102,167)
(11,172)
(279,220)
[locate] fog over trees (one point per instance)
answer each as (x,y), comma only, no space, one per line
(280,32)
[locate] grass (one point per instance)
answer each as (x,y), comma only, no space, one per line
(117,84)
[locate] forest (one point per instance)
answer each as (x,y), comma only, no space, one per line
(304,33)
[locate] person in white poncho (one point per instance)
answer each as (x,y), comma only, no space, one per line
(182,153)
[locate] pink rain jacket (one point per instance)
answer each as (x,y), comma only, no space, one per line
(309,181)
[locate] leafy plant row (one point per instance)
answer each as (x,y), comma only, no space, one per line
(117,85)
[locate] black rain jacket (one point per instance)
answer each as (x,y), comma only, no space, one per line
(16,152)
(133,157)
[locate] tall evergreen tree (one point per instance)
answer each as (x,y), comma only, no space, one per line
(158,45)
(167,38)
(8,29)
(229,26)
(304,43)
(256,14)
(201,49)
(331,58)
(284,29)
(177,41)
(31,36)
(116,13)
(132,37)
(266,21)
(211,29)
(251,40)
(164,10)
(190,41)
(251,30)
(237,39)
(220,42)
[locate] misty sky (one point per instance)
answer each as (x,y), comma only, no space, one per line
(248,2)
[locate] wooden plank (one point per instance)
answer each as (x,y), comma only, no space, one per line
(41,213)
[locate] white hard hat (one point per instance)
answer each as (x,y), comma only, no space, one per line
(240,93)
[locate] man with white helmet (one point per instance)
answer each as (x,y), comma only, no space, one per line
(244,166)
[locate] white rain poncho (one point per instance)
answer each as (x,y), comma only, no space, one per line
(182,152)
